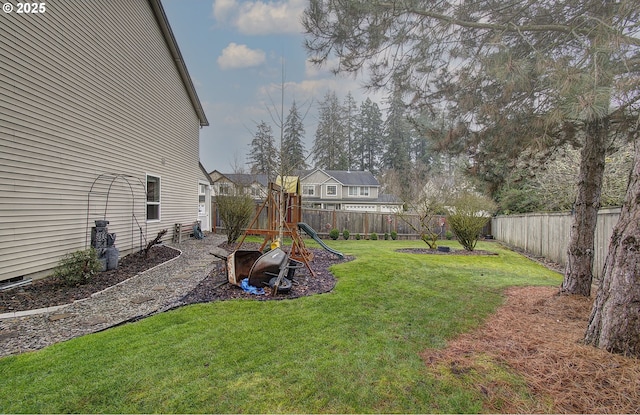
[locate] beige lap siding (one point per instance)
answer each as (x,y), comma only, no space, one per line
(89,88)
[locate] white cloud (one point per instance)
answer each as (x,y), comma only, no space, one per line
(261,17)
(222,9)
(314,71)
(236,56)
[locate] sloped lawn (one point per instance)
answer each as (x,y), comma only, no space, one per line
(356,349)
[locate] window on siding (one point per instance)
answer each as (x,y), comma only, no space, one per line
(364,191)
(332,190)
(153,198)
(353,191)
(223,189)
(308,190)
(202,199)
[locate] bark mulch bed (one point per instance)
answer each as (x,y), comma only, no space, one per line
(450,252)
(215,287)
(49,292)
(537,335)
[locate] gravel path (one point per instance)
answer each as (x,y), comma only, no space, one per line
(150,292)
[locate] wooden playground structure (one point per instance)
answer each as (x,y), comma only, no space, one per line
(283,206)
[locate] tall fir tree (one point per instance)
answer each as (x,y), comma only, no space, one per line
(397,154)
(263,156)
(330,141)
(293,151)
(368,138)
(350,122)
(429,150)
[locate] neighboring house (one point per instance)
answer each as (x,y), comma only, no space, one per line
(345,190)
(100,119)
(254,185)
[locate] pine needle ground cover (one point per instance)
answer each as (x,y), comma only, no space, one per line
(358,349)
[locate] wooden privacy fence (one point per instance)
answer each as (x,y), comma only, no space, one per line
(547,234)
(364,223)
(542,234)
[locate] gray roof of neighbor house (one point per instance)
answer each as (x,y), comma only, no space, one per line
(359,178)
(163,22)
(246,179)
(348,177)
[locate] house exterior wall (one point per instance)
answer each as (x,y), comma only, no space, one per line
(327,194)
(315,179)
(238,184)
(319,181)
(89,88)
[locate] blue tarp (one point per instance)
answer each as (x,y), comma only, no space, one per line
(244,284)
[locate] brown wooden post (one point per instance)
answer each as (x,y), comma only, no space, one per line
(214,216)
(366,224)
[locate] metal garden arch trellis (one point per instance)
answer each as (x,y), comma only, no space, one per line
(102,185)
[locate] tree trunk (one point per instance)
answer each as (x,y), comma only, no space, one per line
(579,274)
(614,324)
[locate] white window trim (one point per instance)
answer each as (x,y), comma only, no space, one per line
(200,184)
(327,190)
(159,203)
(207,186)
(220,186)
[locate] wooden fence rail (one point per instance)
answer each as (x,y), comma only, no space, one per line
(363,223)
(547,234)
(542,234)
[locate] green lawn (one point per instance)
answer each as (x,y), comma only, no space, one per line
(355,349)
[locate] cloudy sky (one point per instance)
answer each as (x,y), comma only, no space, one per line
(234,51)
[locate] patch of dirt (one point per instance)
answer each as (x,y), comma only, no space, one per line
(49,292)
(215,286)
(450,252)
(538,335)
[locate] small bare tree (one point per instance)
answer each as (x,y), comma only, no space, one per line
(235,212)
(428,206)
(469,213)
(156,241)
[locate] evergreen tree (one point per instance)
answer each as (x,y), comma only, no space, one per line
(398,144)
(263,155)
(368,138)
(292,152)
(430,128)
(330,141)
(350,122)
